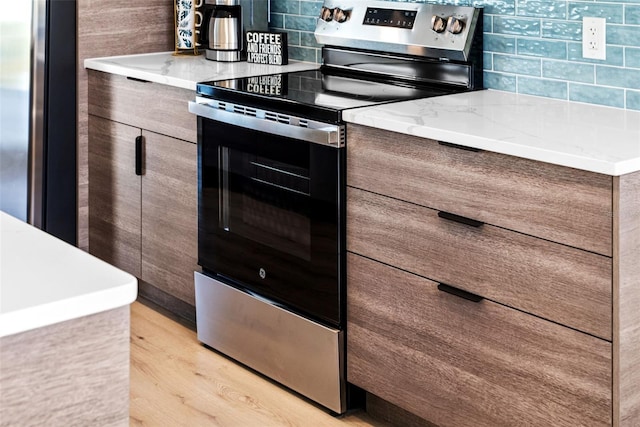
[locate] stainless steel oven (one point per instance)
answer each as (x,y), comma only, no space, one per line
(271,184)
(271,245)
(270,200)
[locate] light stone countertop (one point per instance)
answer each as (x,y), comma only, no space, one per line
(185,71)
(582,136)
(44,280)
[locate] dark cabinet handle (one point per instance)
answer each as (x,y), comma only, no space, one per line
(460,219)
(139,155)
(459,292)
(459,147)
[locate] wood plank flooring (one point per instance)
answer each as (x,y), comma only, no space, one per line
(175,381)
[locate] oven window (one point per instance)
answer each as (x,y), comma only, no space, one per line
(265,201)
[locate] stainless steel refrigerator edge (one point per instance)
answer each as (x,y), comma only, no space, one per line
(38,146)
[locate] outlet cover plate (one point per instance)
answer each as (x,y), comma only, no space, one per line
(594,38)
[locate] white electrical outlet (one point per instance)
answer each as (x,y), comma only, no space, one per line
(594,38)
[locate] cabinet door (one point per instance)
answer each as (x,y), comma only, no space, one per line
(114,194)
(169,215)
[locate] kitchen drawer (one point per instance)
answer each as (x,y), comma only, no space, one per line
(553,202)
(458,363)
(152,106)
(563,284)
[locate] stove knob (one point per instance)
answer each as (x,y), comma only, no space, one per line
(340,15)
(326,14)
(438,24)
(455,25)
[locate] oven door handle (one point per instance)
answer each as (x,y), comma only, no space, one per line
(318,133)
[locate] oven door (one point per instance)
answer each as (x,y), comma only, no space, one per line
(269,219)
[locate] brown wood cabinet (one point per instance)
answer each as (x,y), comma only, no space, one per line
(106,28)
(487,290)
(114,194)
(553,202)
(169,215)
(145,224)
(553,281)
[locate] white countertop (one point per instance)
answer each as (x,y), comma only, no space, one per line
(588,137)
(583,136)
(44,280)
(185,70)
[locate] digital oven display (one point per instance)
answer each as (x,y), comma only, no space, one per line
(390,17)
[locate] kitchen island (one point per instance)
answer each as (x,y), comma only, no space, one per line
(64,332)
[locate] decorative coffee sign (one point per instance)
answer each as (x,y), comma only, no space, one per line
(267,48)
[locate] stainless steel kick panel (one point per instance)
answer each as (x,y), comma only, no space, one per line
(303,355)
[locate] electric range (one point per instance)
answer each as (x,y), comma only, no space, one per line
(271,183)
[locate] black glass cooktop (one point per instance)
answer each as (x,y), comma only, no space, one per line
(313,94)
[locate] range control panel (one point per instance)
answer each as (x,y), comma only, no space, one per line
(389,17)
(410,28)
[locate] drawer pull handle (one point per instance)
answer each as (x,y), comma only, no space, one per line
(138,80)
(459,292)
(460,219)
(460,147)
(139,155)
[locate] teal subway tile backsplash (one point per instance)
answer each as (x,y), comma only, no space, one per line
(625,35)
(632,15)
(531,46)
(620,1)
(500,81)
(487,24)
(276,21)
(516,65)
(561,30)
(632,57)
(612,12)
(304,54)
(499,43)
(618,77)
(542,87)
(291,7)
(542,8)
(308,39)
(542,48)
(487,59)
(297,22)
(517,26)
(596,95)
(311,8)
(496,7)
(633,100)
(615,55)
(293,37)
(562,70)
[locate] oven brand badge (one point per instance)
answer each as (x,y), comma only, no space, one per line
(262,273)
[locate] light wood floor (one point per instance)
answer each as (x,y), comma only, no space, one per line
(175,381)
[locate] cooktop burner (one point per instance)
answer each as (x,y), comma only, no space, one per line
(315,94)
